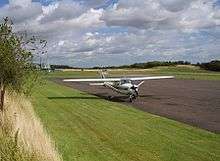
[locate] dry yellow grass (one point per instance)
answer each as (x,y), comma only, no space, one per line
(32,137)
(189,66)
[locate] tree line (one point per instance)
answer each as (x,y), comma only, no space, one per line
(212,66)
(148,65)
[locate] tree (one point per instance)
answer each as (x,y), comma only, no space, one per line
(213,65)
(15,60)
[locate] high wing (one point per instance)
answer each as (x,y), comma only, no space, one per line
(94,80)
(118,79)
(151,78)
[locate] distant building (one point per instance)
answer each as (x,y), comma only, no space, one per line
(46,67)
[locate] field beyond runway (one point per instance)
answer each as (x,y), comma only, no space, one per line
(195,102)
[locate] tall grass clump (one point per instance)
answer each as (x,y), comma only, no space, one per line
(22,136)
(11,151)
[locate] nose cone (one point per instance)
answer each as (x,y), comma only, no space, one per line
(134,87)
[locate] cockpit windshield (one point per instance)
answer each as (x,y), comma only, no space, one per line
(123,81)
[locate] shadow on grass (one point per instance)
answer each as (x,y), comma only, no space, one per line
(99,97)
(74,97)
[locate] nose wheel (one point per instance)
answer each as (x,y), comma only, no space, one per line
(132,97)
(110,97)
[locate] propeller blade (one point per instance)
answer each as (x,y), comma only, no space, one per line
(140,84)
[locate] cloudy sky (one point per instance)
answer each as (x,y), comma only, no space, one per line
(114,32)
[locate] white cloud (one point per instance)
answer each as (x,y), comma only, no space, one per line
(21,13)
(47,10)
(175,5)
(63,10)
(20,2)
(61,43)
(132,31)
(166,14)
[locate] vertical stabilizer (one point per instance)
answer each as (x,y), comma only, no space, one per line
(102,74)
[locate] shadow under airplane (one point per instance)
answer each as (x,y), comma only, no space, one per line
(99,96)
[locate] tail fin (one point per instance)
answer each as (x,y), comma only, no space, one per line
(102,74)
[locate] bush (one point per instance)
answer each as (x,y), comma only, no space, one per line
(213,65)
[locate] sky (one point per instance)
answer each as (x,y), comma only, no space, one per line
(88,33)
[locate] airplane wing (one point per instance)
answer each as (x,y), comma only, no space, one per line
(96,84)
(94,80)
(151,78)
(118,79)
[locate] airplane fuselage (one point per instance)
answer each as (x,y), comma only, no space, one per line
(123,88)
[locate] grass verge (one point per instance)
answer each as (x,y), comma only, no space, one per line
(22,136)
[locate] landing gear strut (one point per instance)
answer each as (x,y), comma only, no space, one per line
(132,97)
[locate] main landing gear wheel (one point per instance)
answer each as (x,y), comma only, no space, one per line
(110,97)
(136,94)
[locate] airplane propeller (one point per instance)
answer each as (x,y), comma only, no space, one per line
(135,90)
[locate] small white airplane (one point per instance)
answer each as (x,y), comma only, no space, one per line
(124,86)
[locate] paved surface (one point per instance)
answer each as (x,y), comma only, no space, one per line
(194,102)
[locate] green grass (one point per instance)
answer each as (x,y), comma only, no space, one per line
(86,128)
(180,72)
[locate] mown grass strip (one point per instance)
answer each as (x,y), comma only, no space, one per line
(88,128)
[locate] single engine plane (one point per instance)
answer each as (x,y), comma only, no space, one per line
(125,86)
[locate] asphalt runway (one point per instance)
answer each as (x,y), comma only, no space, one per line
(194,102)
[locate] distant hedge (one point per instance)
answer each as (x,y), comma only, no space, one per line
(213,65)
(148,65)
(61,67)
